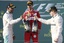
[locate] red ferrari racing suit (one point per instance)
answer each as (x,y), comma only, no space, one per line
(30,34)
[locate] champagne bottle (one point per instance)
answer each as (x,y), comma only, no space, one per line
(26,25)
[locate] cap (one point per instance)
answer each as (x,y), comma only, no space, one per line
(53,8)
(11,6)
(29,3)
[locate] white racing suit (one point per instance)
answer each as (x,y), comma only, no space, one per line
(56,23)
(7,27)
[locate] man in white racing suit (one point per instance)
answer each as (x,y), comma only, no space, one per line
(56,23)
(8,24)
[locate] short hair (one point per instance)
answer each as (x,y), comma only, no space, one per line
(53,8)
(30,3)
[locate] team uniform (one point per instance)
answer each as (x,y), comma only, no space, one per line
(7,27)
(33,26)
(56,27)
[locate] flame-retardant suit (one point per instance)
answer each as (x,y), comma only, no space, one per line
(56,23)
(32,26)
(8,27)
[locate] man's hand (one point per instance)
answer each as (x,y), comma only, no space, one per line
(56,40)
(21,16)
(26,17)
(35,17)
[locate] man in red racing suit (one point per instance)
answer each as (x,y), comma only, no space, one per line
(28,17)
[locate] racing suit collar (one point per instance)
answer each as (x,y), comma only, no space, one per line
(7,11)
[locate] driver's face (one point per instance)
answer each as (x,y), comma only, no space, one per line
(52,13)
(30,6)
(10,10)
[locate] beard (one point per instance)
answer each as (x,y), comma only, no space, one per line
(11,11)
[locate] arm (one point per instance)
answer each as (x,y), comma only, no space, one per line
(14,21)
(39,23)
(44,21)
(24,16)
(11,21)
